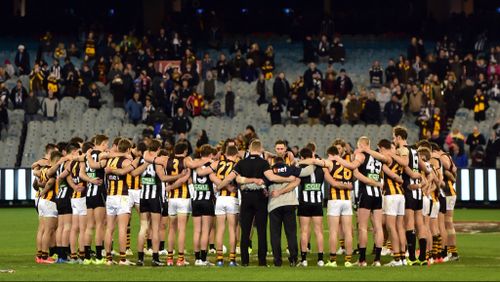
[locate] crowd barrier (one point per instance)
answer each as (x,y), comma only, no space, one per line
(474,186)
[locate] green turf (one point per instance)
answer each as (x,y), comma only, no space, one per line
(480,260)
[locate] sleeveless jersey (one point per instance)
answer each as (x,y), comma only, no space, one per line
(175,165)
(150,183)
(75,175)
(93,189)
(371,168)
(344,175)
(311,187)
(391,187)
(203,187)
(116,183)
(64,192)
(407,180)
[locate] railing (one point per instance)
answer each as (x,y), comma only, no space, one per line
(473,185)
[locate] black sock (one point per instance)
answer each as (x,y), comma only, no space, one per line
(378,251)
(52,251)
(204,255)
(156,257)
(212,246)
(87,252)
(98,252)
(309,246)
(67,251)
(444,252)
(149,243)
(410,240)
(140,256)
(162,245)
(303,256)
(197,255)
(362,254)
(320,256)
(422,243)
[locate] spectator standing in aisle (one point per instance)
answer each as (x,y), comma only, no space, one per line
(229,102)
(337,51)
(209,87)
(4,101)
(343,85)
(480,105)
(313,106)
(50,106)
(22,61)
(309,75)
(323,50)
(371,111)
(308,50)
(295,109)
(148,109)
(134,109)
(353,109)
(376,75)
(274,109)
(262,90)
(31,107)
(281,88)
(181,123)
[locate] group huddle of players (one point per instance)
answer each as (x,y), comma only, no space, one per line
(86,189)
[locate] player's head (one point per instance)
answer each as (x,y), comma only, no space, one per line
(280,147)
(49,148)
(332,151)
(206,151)
(55,156)
(399,135)
(180,148)
(154,145)
(228,142)
(435,147)
(77,140)
(340,145)
(311,146)
(278,160)
(231,151)
(256,146)
(124,146)
(72,148)
(424,144)
(424,153)
(114,147)
(363,142)
(306,153)
(61,147)
(87,146)
(140,148)
(385,146)
(102,141)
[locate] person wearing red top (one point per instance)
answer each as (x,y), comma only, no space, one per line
(195,104)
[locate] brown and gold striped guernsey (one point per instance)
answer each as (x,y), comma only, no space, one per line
(225,167)
(75,175)
(116,183)
(175,165)
(133,183)
(344,175)
(449,189)
(391,187)
(50,195)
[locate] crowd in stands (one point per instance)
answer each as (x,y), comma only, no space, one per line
(428,84)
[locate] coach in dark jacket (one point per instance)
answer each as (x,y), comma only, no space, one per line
(182,124)
(281,88)
(371,112)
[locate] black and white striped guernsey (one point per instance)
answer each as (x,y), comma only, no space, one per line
(203,188)
(372,169)
(150,183)
(407,180)
(92,189)
(311,188)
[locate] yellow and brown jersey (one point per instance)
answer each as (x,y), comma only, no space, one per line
(392,187)
(175,166)
(449,187)
(116,183)
(51,194)
(223,169)
(344,175)
(133,182)
(75,176)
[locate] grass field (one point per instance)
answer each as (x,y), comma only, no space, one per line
(480,260)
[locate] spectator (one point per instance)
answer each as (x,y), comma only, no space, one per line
(262,90)
(383,97)
(148,109)
(195,104)
(339,108)
(281,88)
(480,105)
(455,136)
(22,61)
(393,111)
(18,95)
(413,49)
(134,109)
(452,98)
(249,71)
(9,69)
(207,65)
(337,51)
(309,76)
(353,109)
(332,117)
(222,69)
(274,109)
(436,125)
(202,139)
(256,55)
(90,46)
(458,156)
(376,75)
(269,56)
(50,106)
(229,102)
(343,85)
(72,85)
(118,90)
(492,150)
(94,96)
(209,87)
(391,71)
(181,123)
(371,111)
(267,69)
(468,94)
(308,48)
(295,109)
(323,50)
(37,79)
(4,101)
(31,107)
(313,106)
(475,139)
(237,64)
(185,93)
(328,85)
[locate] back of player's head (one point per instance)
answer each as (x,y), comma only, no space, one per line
(154,145)
(384,143)
(162,153)
(87,146)
(50,147)
(227,142)
(206,150)
(425,144)
(435,146)
(55,156)
(180,148)
(306,153)
(311,146)
(363,140)
(61,146)
(338,142)
(401,132)
(76,139)
(278,160)
(425,152)
(256,145)
(231,151)
(332,150)
(116,141)
(71,147)
(101,138)
(141,147)
(124,145)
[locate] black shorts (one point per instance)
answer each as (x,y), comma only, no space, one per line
(412,203)
(97,201)
(203,208)
(369,202)
(164,209)
(442,204)
(310,210)
(150,205)
(64,206)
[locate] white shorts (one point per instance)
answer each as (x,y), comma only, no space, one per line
(227,205)
(117,205)
(339,207)
(178,205)
(434,209)
(47,208)
(426,206)
(394,205)
(79,206)
(450,202)
(135,197)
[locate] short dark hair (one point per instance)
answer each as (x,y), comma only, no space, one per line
(154,145)
(231,151)
(306,153)
(76,140)
(71,147)
(384,143)
(117,140)
(206,150)
(180,148)
(401,132)
(124,145)
(435,146)
(61,146)
(50,147)
(280,142)
(87,146)
(55,156)
(332,150)
(279,160)
(100,138)
(311,146)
